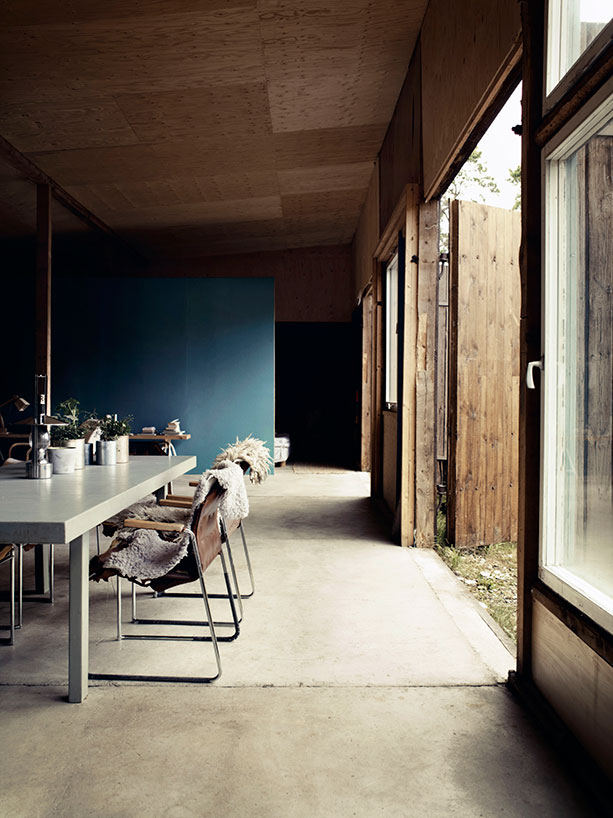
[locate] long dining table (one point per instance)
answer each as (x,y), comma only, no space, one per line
(64,509)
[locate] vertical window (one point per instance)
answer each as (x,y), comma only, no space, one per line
(391,333)
(577,541)
(573,25)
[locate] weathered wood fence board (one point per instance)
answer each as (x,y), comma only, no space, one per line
(484,303)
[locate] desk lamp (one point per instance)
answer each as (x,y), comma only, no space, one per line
(19,403)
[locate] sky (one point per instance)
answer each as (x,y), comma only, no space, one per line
(501,151)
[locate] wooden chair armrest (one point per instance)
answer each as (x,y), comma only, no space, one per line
(186,498)
(133,522)
(5,550)
(176,503)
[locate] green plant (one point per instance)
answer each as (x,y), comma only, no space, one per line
(441,525)
(67,411)
(515,179)
(473,175)
(112,428)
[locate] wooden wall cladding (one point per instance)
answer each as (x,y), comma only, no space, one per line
(390,459)
(577,683)
(400,158)
(366,236)
(466,48)
(311,284)
(173,121)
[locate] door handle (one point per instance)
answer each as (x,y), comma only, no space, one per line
(530,372)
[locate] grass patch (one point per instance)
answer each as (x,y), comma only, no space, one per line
(490,574)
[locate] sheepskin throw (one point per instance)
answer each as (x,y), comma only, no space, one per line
(234,504)
(144,555)
(147,555)
(252,452)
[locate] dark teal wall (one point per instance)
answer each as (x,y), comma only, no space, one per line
(201,350)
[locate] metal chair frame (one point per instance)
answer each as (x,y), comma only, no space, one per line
(36,595)
(207,622)
(237,594)
(241,528)
(9,557)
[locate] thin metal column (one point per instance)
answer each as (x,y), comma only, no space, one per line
(78,635)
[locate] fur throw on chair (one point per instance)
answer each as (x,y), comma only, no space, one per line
(143,554)
(229,475)
(252,452)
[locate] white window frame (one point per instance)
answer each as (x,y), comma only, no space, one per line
(556,43)
(589,120)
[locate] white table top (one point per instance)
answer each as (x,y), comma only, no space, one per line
(67,505)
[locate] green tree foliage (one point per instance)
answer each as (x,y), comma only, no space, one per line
(472,183)
(515,178)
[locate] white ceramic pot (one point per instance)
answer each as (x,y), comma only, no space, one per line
(106,452)
(62,459)
(79,446)
(123,449)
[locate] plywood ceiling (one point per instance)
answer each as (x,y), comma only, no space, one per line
(193,127)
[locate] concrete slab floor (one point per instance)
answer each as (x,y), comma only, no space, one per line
(364,682)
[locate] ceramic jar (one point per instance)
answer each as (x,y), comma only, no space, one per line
(106,452)
(79,446)
(123,449)
(62,459)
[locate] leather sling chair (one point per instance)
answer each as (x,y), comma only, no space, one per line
(208,536)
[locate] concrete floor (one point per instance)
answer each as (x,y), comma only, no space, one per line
(365,682)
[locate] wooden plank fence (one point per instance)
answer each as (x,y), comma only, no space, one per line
(484,304)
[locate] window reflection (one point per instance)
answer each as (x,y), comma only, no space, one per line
(579,363)
(572,25)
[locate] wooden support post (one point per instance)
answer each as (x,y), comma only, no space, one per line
(425,407)
(533,16)
(43,286)
(408,363)
(376,476)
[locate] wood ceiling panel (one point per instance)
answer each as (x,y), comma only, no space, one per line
(125,196)
(215,112)
(83,124)
(33,12)
(333,203)
(197,215)
(202,126)
(197,158)
(311,39)
(242,238)
(332,177)
(327,146)
(138,55)
(337,101)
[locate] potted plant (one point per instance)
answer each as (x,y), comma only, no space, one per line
(70,435)
(91,431)
(118,431)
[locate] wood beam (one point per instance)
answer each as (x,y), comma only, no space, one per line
(425,407)
(408,362)
(533,22)
(43,286)
(32,172)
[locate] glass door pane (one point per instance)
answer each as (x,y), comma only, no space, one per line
(577,552)
(572,26)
